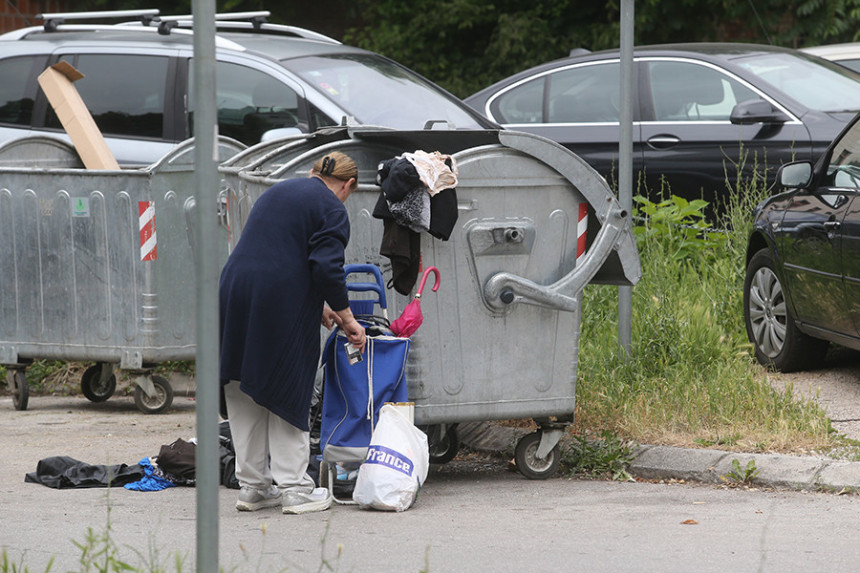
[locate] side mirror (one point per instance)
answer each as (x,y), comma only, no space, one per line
(796,175)
(756,111)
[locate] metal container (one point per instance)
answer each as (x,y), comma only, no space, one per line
(500,338)
(97,266)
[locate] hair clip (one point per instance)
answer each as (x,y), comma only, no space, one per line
(327,165)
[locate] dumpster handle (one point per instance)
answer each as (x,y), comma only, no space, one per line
(503,289)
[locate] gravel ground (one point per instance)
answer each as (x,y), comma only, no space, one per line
(835,387)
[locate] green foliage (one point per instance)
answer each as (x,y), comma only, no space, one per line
(739,475)
(677,227)
(689,376)
(465,45)
(608,456)
(100,553)
(7,566)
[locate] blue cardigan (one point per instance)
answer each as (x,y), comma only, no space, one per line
(288,261)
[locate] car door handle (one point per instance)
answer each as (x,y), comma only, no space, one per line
(663,141)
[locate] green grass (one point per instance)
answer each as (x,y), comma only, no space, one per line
(690,379)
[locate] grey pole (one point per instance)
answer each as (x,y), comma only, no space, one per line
(625,164)
(206,192)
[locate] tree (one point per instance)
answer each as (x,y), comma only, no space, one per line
(465,45)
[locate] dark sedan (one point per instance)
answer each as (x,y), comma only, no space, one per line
(698,109)
(802,287)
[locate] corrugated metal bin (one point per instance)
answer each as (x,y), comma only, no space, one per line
(500,338)
(95,266)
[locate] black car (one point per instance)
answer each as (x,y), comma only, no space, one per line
(696,107)
(802,287)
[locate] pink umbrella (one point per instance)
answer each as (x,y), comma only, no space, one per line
(411,317)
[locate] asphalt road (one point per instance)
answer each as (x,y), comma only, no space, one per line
(472,514)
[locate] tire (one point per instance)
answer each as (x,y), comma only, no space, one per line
(777,341)
(18,387)
(158,403)
(532,466)
(445,449)
(93,389)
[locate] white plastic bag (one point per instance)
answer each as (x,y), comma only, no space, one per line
(396,464)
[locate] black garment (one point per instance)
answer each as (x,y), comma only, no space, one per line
(443,213)
(397,177)
(403,246)
(63,472)
(178,459)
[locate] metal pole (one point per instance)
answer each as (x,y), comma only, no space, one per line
(625,164)
(206,191)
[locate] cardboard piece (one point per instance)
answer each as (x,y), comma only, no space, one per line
(57,83)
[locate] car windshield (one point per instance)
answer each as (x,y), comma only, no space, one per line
(815,85)
(376,91)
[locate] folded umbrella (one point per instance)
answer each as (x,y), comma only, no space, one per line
(411,317)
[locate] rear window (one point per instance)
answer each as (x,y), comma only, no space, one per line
(124,93)
(377,91)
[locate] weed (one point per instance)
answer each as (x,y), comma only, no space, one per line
(7,566)
(690,375)
(739,475)
(608,456)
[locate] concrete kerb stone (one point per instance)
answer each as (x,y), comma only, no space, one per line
(702,465)
(773,469)
(664,462)
(839,475)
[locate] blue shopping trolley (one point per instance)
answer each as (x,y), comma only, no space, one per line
(354,393)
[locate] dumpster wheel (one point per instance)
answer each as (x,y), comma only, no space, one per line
(443,449)
(159,401)
(17,380)
(532,466)
(93,388)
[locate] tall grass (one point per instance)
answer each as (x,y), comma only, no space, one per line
(690,379)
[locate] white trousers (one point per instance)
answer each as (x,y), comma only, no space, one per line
(268,448)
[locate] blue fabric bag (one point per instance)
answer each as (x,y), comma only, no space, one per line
(354,393)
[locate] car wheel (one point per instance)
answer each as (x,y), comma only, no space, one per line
(777,341)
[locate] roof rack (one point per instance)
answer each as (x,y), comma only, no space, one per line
(264,27)
(253,21)
(53,20)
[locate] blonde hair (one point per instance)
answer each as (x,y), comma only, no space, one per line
(337,165)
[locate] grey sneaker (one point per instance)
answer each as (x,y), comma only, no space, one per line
(317,500)
(252,499)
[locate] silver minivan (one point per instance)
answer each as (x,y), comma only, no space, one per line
(272,80)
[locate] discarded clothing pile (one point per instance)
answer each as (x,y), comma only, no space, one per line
(173,466)
(418,195)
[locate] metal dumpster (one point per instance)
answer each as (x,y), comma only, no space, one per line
(85,273)
(500,338)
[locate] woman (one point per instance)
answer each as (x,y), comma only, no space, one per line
(287,264)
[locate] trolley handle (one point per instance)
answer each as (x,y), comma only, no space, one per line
(378,287)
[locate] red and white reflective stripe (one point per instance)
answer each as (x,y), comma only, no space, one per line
(581,229)
(148,242)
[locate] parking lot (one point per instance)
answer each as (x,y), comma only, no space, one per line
(473,514)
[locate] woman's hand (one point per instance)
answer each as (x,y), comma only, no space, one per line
(346,321)
(355,334)
(330,318)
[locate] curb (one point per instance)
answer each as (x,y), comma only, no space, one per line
(700,465)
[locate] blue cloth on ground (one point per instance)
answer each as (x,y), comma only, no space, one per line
(149,482)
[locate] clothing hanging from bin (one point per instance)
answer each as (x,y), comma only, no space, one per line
(403,247)
(431,175)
